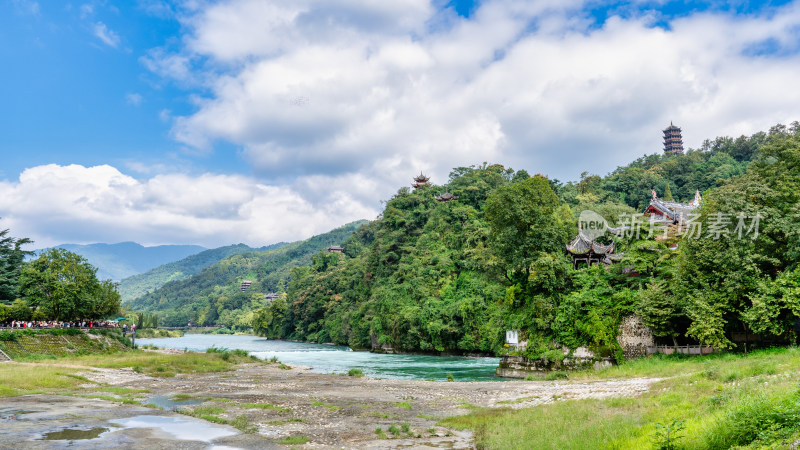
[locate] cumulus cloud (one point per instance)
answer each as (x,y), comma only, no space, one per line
(106,35)
(56,204)
(386,88)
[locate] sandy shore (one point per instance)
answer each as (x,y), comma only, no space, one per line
(332,411)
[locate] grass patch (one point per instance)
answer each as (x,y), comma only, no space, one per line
(284,421)
(358,373)
(159,364)
(203,410)
(20,379)
(264,406)
(720,401)
(294,440)
(124,400)
(329,406)
(404,405)
(120,390)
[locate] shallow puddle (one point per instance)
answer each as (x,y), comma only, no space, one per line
(73,434)
(171,403)
(179,428)
(8,414)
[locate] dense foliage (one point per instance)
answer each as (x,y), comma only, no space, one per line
(138,285)
(61,285)
(214,296)
(11,258)
(452,277)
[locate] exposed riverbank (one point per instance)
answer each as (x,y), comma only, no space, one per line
(330,411)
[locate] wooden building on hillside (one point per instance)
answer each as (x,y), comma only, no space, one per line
(671,212)
(446,197)
(586,251)
(245,285)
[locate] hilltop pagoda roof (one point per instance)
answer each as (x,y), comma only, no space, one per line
(672,211)
(582,245)
(446,197)
(419,181)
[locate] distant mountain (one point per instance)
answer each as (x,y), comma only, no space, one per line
(214,295)
(144,283)
(118,261)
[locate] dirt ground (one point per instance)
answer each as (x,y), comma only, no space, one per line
(331,411)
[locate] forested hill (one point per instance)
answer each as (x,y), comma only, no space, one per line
(213,296)
(144,283)
(453,276)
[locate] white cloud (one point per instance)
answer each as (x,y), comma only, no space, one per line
(106,35)
(383,89)
(55,204)
(134,99)
(27,7)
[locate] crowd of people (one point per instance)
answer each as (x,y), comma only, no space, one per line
(59,324)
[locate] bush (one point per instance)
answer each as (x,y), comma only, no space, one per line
(358,373)
(757,416)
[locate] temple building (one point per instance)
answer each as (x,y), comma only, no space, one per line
(420,181)
(335,249)
(589,252)
(671,212)
(446,197)
(673,142)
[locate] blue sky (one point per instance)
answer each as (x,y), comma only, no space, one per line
(255,121)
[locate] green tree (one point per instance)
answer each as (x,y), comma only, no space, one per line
(524,225)
(64,286)
(668,194)
(11,259)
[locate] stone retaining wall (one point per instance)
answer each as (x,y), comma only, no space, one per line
(516,366)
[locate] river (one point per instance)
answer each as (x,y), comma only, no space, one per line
(337,359)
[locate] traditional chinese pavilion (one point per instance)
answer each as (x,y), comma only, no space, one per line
(673,142)
(672,212)
(585,250)
(420,181)
(446,197)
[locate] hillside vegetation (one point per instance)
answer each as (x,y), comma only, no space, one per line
(144,283)
(213,296)
(452,277)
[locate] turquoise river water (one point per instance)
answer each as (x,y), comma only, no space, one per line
(336,359)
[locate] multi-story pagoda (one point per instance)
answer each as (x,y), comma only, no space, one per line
(673,142)
(446,197)
(420,181)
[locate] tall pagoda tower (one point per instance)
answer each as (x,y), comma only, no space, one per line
(673,143)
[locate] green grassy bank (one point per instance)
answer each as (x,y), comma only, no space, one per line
(715,402)
(47,343)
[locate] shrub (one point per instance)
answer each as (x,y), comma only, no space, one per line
(358,373)
(757,416)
